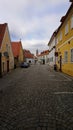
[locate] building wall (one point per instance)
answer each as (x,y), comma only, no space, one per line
(65,45)
(31,60)
(21,58)
(52,52)
(6,47)
(52,58)
(44,57)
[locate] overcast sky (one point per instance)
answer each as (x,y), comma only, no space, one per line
(32,21)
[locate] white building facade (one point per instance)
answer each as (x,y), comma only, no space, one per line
(52,49)
(43,57)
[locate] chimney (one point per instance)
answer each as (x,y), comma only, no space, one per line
(70,0)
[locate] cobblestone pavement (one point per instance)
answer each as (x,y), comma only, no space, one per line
(36,98)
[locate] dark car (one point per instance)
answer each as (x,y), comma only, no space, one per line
(24,65)
(28,64)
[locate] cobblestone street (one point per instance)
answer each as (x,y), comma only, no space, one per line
(36,98)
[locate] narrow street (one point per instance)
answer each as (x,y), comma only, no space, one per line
(36,98)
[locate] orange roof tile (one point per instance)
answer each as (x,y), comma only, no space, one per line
(2,31)
(27,54)
(16,48)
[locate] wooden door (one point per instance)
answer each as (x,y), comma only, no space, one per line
(60,63)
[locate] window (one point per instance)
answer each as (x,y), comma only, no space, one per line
(60,36)
(66,56)
(8,48)
(66,29)
(51,59)
(71,55)
(72,22)
(57,40)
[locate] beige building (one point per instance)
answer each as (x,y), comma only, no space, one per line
(6,54)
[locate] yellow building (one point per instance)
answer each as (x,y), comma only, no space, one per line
(6,54)
(64,43)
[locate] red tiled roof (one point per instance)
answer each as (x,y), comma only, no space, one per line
(16,48)
(2,31)
(27,54)
(46,52)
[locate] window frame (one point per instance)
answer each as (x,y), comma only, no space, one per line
(71,56)
(65,56)
(66,28)
(72,21)
(61,36)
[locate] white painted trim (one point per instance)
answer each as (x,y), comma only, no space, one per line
(65,42)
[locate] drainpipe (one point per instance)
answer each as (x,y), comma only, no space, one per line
(0,65)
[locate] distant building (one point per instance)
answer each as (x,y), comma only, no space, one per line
(37,52)
(29,57)
(6,54)
(43,57)
(52,49)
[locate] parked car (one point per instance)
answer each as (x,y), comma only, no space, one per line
(28,64)
(24,65)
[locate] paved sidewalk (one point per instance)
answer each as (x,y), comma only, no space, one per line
(37,98)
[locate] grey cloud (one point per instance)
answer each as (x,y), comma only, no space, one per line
(28,17)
